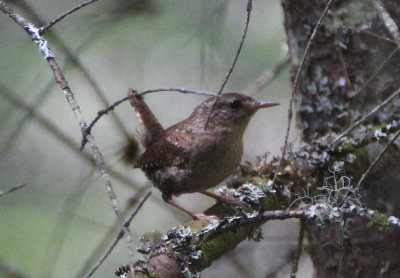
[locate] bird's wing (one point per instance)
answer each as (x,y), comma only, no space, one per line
(162,153)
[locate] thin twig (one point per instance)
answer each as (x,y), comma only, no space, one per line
(128,222)
(76,62)
(58,133)
(105,111)
(15,188)
(377,70)
(266,77)
(34,33)
(249,8)
(248,11)
(35,104)
(394,31)
(369,114)
(388,20)
(365,31)
(299,250)
(377,159)
(103,244)
(48,26)
(296,80)
(63,225)
(119,236)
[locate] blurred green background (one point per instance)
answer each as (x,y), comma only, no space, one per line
(51,227)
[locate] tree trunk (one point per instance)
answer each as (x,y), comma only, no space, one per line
(351,66)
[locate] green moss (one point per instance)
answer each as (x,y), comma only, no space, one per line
(347,147)
(270,202)
(208,249)
(214,248)
(379,220)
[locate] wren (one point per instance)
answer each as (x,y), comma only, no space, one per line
(199,152)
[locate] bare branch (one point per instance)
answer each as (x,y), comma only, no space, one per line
(388,20)
(370,34)
(76,62)
(62,227)
(33,31)
(53,22)
(249,8)
(105,111)
(58,133)
(369,114)
(377,159)
(266,77)
(377,70)
(15,188)
(296,80)
(103,243)
(119,236)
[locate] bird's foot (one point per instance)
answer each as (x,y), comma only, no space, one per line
(195,216)
(226,200)
(207,218)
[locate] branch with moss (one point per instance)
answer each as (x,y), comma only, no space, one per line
(184,251)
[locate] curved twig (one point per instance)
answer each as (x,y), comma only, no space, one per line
(53,22)
(105,111)
(377,159)
(248,10)
(295,82)
(119,236)
(15,188)
(369,114)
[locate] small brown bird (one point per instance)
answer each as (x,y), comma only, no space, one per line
(199,152)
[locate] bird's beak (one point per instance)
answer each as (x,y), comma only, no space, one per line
(263,104)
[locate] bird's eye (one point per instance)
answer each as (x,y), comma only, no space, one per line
(235,104)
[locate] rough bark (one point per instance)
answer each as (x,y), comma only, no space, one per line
(343,78)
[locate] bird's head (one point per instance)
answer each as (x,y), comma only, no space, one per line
(230,110)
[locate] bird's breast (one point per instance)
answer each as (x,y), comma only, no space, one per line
(214,162)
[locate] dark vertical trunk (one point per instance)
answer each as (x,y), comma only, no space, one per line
(350,69)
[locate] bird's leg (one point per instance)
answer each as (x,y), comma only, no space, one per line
(225,200)
(195,216)
(168,199)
